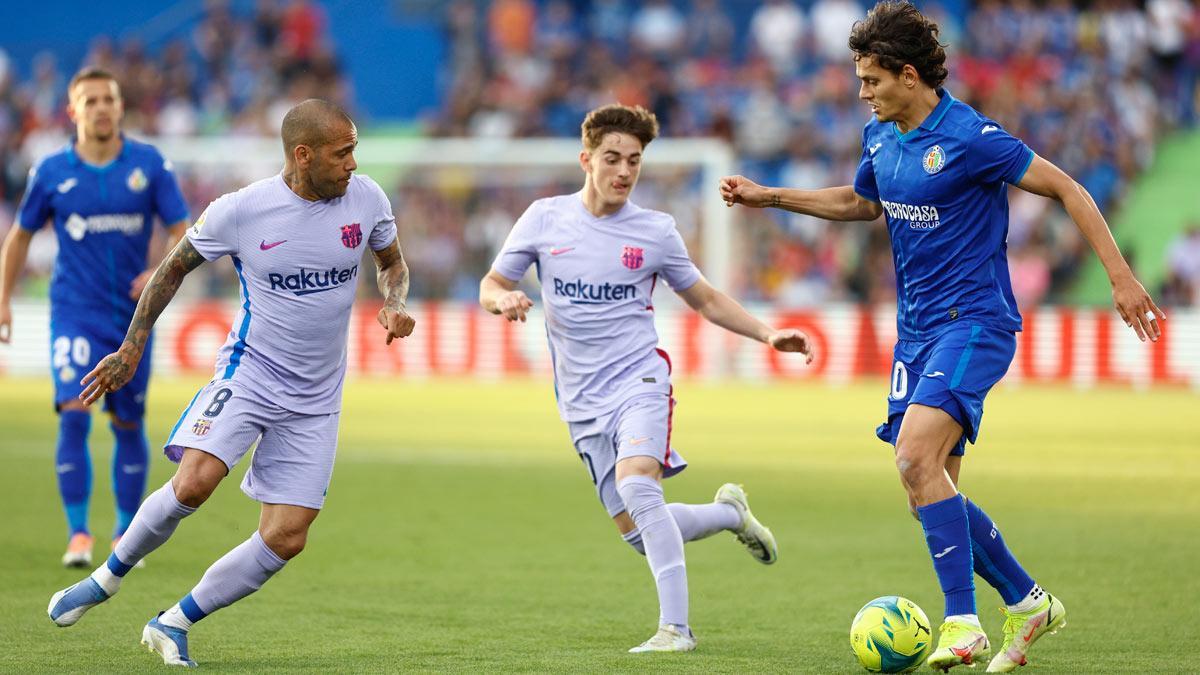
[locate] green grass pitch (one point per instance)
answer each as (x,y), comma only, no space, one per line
(462,534)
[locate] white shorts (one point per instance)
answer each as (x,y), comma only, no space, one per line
(640,427)
(293,462)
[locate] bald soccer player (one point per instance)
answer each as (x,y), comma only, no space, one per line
(295,240)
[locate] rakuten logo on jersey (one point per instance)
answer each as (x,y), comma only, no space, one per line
(126,223)
(307,282)
(581,292)
(918,217)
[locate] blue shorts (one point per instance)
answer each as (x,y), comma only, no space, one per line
(76,346)
(952,372)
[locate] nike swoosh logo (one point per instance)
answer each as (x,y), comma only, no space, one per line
(264,246)
(936,373)
(873,148)
(639,441)
(938,555)
(560,251)
(988,129)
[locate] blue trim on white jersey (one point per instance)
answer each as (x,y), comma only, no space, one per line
(240,346)
(183,415)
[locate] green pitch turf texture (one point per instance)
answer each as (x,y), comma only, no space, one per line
(461,534)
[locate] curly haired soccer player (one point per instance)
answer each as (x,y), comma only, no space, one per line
(939,172)
(296,240)
(598,257)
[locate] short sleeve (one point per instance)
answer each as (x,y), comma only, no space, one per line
(520,248)
(994,155)
(383,230)
(677,269)
(35,205)
(168,198)
(864,177)
(215,232)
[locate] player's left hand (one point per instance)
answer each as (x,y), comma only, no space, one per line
(792,340)
(139,284)
(113,372)
(397,322)
(1136,307)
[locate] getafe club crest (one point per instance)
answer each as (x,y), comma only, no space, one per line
(136,180)
(351,235)
(201,427)
(934,160)
(632,257)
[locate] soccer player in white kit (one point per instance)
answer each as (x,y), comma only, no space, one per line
(296,240)
(598,258)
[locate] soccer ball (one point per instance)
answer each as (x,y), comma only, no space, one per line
(890,635)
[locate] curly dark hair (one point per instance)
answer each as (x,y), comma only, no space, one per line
(896,34)
(633,120)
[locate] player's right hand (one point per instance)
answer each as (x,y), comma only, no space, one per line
(513,305)
(113,372)
(742,190)
(5,323)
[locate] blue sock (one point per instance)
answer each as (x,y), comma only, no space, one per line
(74,467)
(948,536)
(131,461)
(993,561)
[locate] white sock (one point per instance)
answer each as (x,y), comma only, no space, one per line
(643,498)
(175,618)
(110,582)
(697,521)
(1030,601)
(972,619)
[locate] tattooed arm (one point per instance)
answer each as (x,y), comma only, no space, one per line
(116,369)
(393,283)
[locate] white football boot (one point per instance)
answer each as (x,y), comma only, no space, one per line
(667,639)
(758,539)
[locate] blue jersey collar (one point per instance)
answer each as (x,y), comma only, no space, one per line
(74,159)
(932,120)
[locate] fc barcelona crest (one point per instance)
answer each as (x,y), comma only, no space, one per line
(633,257)
(351,235)
(201,427)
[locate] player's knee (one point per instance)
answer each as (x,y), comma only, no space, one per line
(191,488)
(287,543)
(124,424)
(914,466)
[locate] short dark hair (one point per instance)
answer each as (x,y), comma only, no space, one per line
(616,118)
(90,73)
(896,34)
(310,123)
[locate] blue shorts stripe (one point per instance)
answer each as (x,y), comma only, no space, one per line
(183,415)
(240,346)
(961,368)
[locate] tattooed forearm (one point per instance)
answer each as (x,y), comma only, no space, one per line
(392,276)
(160,289)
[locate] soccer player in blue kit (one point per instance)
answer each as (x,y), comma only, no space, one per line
(102,191)
(939,172)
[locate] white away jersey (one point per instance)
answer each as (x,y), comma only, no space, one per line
(298,264)
(597,276)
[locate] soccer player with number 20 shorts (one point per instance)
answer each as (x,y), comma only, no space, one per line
(102,192)
(296,240)
(598,257)
(939,172)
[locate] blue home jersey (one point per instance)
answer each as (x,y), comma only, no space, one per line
(944,191)
(103,218)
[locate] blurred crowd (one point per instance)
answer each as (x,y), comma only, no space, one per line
(1092,89)
(1091,86)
